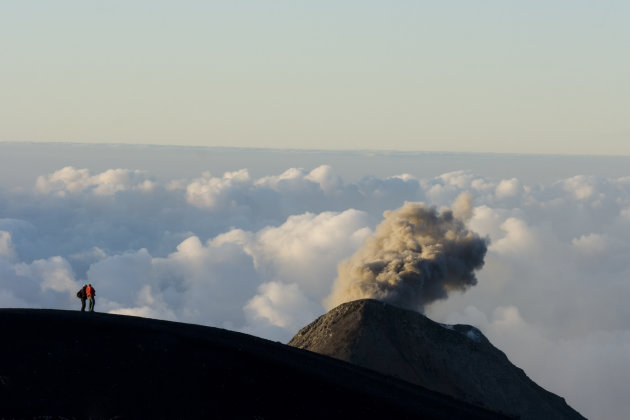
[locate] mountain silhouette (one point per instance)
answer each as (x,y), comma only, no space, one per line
(457,360)
(72,365)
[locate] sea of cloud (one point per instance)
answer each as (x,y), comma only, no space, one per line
(260,255)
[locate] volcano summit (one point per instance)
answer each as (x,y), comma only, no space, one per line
(455,360)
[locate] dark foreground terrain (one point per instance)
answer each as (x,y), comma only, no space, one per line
(62,364)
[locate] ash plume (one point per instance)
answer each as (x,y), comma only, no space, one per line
(416,256)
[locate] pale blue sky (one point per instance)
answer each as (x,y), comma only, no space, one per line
(482,76)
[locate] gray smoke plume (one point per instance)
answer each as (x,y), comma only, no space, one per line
(416,256)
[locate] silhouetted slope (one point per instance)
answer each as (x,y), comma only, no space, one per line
(455,360)
(99,366)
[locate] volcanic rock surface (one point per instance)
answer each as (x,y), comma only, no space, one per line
(456,360)
(73,365)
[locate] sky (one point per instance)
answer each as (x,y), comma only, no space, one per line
(459,76)
(215,162)
(193,235)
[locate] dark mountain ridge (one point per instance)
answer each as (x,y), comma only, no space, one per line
(456,360)
(63,364)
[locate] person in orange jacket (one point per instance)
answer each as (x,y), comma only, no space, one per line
(90,292)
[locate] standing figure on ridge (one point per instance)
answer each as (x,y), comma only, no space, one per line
(82,294)
(90,292)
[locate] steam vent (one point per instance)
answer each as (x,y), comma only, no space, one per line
(455,360)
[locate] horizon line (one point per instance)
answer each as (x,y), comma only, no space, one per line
(308,150)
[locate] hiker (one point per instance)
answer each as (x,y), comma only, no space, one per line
(90,292)
(82,294)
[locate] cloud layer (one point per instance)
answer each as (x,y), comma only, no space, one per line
(261,254)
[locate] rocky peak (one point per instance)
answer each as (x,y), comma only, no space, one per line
(456,360)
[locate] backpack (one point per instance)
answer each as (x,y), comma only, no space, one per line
(81,294)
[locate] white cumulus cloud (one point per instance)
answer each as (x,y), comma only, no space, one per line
(260,253)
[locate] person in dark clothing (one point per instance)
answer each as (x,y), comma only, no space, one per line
(82,294)
(90,292)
